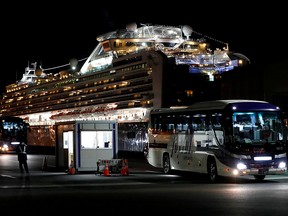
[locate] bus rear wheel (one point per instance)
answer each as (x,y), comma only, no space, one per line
(212,170)
(166,164)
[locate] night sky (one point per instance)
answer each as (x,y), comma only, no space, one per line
(53,34)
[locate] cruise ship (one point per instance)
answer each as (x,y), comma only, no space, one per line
(130,71)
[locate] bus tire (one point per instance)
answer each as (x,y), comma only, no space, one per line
(166,163)
(259,177)
(212,170)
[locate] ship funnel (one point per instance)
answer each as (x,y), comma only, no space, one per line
(187,30)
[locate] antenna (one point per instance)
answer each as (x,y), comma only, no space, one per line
(187,30)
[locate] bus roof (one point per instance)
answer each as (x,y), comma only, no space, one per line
(221,104)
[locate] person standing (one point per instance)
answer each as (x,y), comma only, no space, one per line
(21,151)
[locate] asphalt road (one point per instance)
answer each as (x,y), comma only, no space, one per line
(144,191)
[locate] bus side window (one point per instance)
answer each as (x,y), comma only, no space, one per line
(179,127)
(216,121)
(171,127)
(199,124)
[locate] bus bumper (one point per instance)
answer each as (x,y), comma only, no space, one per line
(271,171)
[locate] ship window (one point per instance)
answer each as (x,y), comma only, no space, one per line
(130,43)
(106,45)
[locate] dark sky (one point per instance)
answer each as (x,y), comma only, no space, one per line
(54,34)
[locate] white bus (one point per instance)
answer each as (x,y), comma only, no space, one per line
(219,138)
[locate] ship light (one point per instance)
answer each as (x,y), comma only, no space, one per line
(73,63)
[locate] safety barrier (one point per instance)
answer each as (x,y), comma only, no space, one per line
(112,166)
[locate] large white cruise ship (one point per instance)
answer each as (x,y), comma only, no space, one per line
(129,72)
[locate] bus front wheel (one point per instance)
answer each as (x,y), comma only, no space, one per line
(166,164)
(259,177)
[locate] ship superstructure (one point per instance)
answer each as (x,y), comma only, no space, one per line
(174,42)
(129,71)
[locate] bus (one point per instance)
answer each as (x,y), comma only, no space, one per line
(220,138)
(13,130)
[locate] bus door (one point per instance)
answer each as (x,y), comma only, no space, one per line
(68,144)
(184,148)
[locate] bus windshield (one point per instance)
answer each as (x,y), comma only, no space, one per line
(255,127)
(13,130)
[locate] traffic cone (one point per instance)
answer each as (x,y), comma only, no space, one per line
(44,164)
(72,169)
(124,169)
(106,169)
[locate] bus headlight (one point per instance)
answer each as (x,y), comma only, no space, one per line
(235,172)
(282,165)
(241,166)
(4,148)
